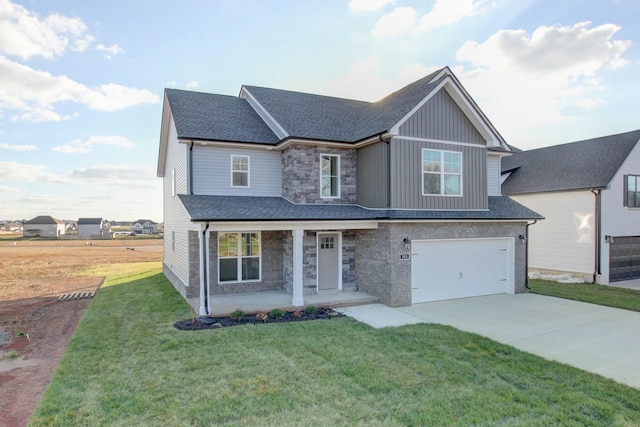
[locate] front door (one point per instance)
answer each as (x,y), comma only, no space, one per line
(328,262)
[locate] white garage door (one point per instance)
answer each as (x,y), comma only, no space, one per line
(447,269)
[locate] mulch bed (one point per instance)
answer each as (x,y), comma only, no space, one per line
(206,322)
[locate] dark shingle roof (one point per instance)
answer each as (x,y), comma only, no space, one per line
(88,221)
(304,115)
(578,165)
(208,116)
(249,208)
(44,219)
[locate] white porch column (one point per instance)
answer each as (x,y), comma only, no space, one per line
(298,300)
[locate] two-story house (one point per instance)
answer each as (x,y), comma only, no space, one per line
(93,228)
(281,190)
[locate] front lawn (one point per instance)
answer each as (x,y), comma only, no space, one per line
(128,366)
(628,299)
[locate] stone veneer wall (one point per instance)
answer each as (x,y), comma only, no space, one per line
(301,174)
(272,261)
(348,260)
(381,272)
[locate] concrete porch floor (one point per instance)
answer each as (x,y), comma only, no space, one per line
(252,302)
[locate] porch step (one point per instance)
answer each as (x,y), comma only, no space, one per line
(78,295)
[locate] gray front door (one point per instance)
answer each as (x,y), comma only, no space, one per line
(328,251)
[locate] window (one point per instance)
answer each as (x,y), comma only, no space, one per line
(173,182)
(441,173)
(330,175)
(173,241)
(238,257)
(327,243)
(239,171)
(632,191)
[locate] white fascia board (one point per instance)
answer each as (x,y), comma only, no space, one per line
(291,225)
(167,118)
(262,112)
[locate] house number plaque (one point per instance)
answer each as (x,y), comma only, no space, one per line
(404,256)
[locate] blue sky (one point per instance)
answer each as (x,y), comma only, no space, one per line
(81,82)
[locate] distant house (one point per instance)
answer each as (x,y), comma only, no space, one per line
(589,193)
(93,227)
(44,226)
(10,226)
(145,226)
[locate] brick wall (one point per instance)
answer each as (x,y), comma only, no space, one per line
(301,174)
(381,272)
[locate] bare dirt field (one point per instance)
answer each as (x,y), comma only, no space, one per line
(35,326)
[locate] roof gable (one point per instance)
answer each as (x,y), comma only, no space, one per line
(88,221)
(587,164)
(44,219)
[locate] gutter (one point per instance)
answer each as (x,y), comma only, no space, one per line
(526,254)
(597,243)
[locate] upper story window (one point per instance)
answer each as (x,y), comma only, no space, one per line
(330,175)
(240,171)
(441,173)
(632,191)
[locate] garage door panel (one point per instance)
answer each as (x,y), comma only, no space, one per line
(624,258)
(448,269)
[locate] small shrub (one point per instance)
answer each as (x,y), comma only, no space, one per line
(11,355)
(311,309)
(21,334)
(276,313)
(263,317)
(237,314)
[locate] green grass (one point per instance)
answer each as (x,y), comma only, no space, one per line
(127,366)
(628,299)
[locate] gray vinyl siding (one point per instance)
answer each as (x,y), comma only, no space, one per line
(406,177)
(212,172)
(493,176)
(440,118)
(176,219)
(373,175)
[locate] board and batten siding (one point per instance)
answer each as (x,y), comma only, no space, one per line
(440,118)
(493,176)
(406,177)
(564,240)
(373,175)
(176,220)
(212,172)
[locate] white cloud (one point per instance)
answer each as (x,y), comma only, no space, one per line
(21,172)
(18,147)
(192,84)
(81,147)
(524,82)
(114,175)
(32,93)
(25,34)
(447,12)
(109,51)
(363,81)
(358,5)
(399,21)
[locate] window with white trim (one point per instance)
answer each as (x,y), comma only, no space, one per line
(330,175)
(239,257)
(632,191)
(441,173)
(239,171)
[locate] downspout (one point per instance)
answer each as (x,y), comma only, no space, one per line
(388,142)
(190,169)
(205,267)
(526,254)
(597,243)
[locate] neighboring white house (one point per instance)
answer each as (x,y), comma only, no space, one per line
(93,227)
(144,226)
(589,193)
(10,226)
(44,226)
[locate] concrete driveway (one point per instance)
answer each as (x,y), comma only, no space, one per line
(595,338)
